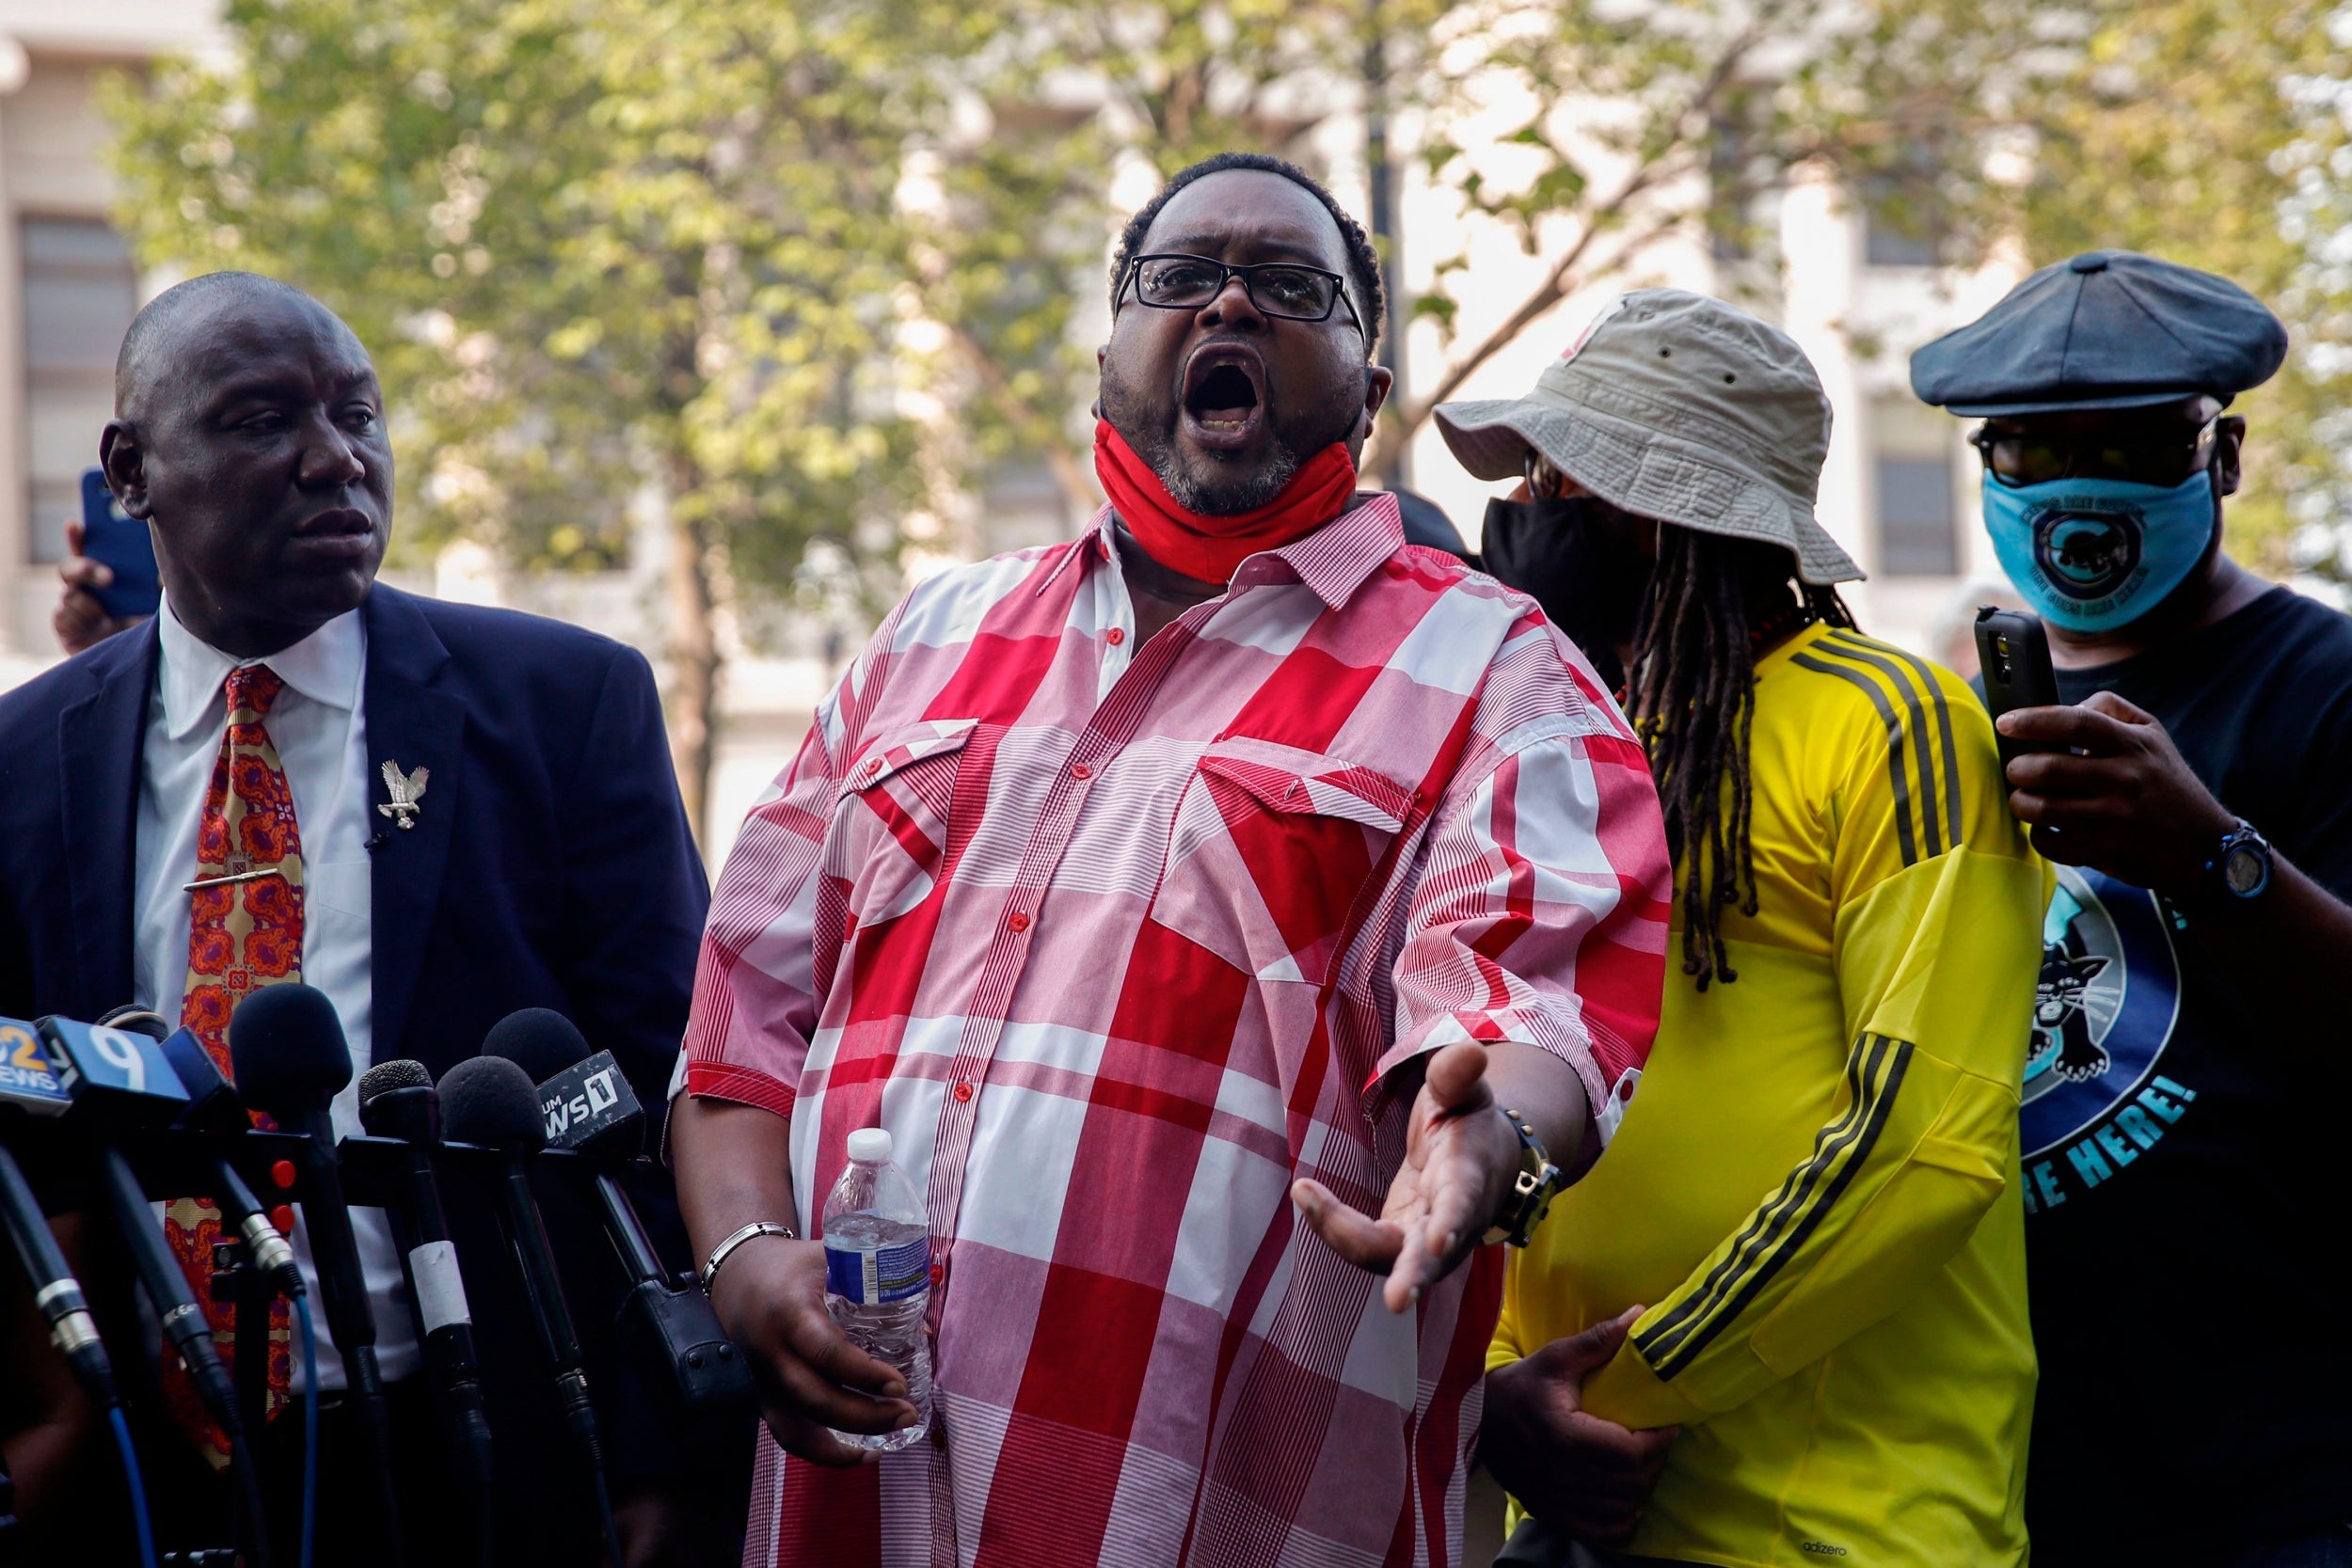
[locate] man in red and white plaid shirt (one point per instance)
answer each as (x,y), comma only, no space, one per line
(1177,897)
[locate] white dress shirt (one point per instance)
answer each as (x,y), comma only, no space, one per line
(319,726)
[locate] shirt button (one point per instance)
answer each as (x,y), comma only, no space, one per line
(1115,636)
(1080,770)
(283,1173)
(963,1093)
(872,768)
(1019,922)
(283,1218)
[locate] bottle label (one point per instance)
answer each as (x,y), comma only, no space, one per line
(868,1276)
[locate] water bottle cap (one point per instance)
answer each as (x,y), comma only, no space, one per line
(870,1145)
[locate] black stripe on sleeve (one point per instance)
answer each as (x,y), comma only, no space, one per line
(1895,765)
(1882,1081)
(1948,751)
(1932,693)
(1916,720)
(1763,1225)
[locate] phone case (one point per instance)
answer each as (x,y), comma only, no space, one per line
(121,542)
(2013,662)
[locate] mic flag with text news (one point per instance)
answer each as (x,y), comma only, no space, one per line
(587,1104)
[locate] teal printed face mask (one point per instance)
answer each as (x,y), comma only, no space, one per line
(2094,554)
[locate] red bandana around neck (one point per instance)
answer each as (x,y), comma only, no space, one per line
(1207,549)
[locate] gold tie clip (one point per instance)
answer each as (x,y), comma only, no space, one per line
(253,876)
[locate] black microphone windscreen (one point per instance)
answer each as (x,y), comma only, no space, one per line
(287,1046)
(138,1021)
(491,1100)
(397,1100)
(384,1077)
(540,1040)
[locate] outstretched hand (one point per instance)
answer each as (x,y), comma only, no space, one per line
(1460,1158)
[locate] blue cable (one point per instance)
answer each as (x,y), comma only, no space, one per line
(137,1484)
(604,1511)
(309,1424)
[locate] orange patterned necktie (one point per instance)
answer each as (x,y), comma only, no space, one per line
(244,932)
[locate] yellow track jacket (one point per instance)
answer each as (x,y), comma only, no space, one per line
(1815,1189)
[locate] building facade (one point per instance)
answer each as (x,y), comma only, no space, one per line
(67,284)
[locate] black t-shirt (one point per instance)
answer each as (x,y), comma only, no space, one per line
(2186,1177)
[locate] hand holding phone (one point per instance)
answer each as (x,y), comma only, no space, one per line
(109,571)
(120,543)
(2013,659)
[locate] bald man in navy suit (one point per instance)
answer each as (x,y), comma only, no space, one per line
(487,820)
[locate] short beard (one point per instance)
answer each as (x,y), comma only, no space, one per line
(1217,496)
(1212,496)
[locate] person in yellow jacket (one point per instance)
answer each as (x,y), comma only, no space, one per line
(1784,1319)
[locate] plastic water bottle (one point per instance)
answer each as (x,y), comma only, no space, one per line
(878,1274)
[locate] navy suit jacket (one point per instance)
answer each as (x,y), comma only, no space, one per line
(550,865)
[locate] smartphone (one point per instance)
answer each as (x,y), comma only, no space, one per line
(112,535)
(2013,660)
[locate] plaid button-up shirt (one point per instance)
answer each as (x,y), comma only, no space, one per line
(1116,941)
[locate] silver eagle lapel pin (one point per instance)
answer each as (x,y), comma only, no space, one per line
(406,789)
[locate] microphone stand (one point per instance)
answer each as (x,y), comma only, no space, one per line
(185,1326)
(237,1282)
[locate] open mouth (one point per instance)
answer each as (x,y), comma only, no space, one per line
(1223,396)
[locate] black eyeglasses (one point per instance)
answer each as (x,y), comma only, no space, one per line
(1284,289)
(2167,460)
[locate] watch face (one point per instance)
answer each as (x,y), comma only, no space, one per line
(2244,869)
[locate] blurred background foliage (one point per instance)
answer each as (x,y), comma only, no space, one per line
(742,277)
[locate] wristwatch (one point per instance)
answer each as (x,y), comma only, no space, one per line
(1530,1197)
(2240,868)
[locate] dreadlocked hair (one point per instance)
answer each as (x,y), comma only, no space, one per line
(1692,690)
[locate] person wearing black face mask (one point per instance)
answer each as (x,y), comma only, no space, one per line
(1578,557)
(1858,920)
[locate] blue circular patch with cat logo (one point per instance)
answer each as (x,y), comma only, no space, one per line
(2109,996)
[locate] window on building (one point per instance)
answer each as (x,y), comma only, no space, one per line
(1888,242)
(1903,222)
(1917,532)
(81,290)
(1738,176)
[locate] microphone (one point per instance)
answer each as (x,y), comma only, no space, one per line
(28,1083)
(56,1291)
(589,1108)
(122,1082)
(214,1108)
(489,1100)
(397,1100)
(287,1046)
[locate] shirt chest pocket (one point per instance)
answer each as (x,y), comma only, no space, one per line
(1272,851)
(887,846)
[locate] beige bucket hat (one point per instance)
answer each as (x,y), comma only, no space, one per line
(1679,407)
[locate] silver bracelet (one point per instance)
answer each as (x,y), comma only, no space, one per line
(758,1228)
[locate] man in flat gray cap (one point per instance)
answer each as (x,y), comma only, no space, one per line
(2183,1105)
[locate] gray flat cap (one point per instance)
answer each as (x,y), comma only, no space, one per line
(1679,407)
(2106,329)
